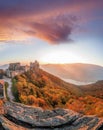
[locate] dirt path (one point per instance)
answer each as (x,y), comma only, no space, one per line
(9,92)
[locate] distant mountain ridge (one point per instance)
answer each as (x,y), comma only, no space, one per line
(95,89)
(4,67)
(76,71)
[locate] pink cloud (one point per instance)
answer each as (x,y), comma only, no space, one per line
(54,21)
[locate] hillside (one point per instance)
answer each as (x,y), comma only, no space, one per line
(77,71)
(42,89)
(95,89)
(1,105)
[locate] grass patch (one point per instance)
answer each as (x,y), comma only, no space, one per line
(14,90)
(6,87)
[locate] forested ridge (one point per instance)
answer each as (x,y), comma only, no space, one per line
(42,89)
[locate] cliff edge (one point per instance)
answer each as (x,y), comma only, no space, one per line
(22,117)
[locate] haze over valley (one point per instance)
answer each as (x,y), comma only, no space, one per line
(77,73)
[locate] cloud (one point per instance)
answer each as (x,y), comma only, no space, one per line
(53,21)
(54,30)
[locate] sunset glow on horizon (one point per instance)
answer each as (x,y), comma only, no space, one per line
(61,57)
(60,31)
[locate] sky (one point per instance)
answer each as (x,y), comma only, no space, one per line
(51,31)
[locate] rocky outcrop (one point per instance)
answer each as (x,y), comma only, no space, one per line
(33,118)
(8,125)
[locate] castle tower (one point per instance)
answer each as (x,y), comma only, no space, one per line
(34,66)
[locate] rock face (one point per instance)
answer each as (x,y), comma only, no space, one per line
(39,119)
